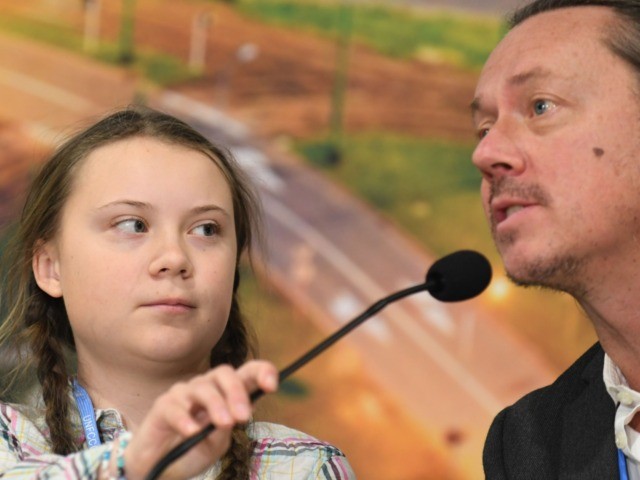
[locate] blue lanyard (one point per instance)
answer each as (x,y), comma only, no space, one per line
(622,466)
(87,415)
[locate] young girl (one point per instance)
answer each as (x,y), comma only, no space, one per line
(126,258)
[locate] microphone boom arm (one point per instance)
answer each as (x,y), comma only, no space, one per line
(447,280)
(187,444)
(370,312)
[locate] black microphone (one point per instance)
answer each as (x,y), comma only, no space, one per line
(458,276)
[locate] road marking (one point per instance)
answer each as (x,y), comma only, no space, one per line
(345,307)
(432,312)
(45,134)
(256,164)
(204,113)
(45,91)
(370,289)
(253,161)
(343,264)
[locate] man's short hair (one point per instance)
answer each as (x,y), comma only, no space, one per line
(623,38)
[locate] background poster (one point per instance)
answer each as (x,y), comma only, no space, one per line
(353,119)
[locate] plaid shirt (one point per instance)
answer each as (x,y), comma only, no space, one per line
(280,453)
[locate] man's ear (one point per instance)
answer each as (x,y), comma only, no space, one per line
(46,268)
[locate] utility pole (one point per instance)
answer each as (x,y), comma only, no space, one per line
(246,53)
(338,94)
(127,27)
(91,25)
(200,25)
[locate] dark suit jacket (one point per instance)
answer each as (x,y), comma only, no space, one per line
(563,431)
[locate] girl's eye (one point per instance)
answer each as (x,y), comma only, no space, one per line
(206,229)
(132,225)
(540,107)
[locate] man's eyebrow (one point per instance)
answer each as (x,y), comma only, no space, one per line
(524,77)
(475,106)
(516,80)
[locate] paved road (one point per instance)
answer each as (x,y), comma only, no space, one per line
(328,252)
(333,257)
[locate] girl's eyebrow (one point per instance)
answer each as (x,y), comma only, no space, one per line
(146,206)
(130,203)
(210,208)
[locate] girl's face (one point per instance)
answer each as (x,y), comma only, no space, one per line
(144,258)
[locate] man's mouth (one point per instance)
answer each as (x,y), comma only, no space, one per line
(511,210)
(503,211)
(509,198)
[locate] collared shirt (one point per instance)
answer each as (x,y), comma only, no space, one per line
(628,404)
(280,453)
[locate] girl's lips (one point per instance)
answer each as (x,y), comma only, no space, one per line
(171,308)
(174,309)
(171,305)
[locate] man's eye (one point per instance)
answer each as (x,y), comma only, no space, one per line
(206,229)
(132,225)
(483,132)
(540,107)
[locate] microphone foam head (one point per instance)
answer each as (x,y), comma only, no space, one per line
(459,276)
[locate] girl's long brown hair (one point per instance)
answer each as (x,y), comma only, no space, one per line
(38,325)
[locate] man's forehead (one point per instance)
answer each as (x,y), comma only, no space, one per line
(572,29)
(556,45)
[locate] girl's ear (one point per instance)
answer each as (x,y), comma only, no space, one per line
(46,268)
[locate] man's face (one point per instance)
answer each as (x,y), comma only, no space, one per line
(558,118)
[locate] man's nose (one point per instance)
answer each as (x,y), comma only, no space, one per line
(500,152)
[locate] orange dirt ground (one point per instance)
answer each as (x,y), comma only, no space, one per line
(286,90)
